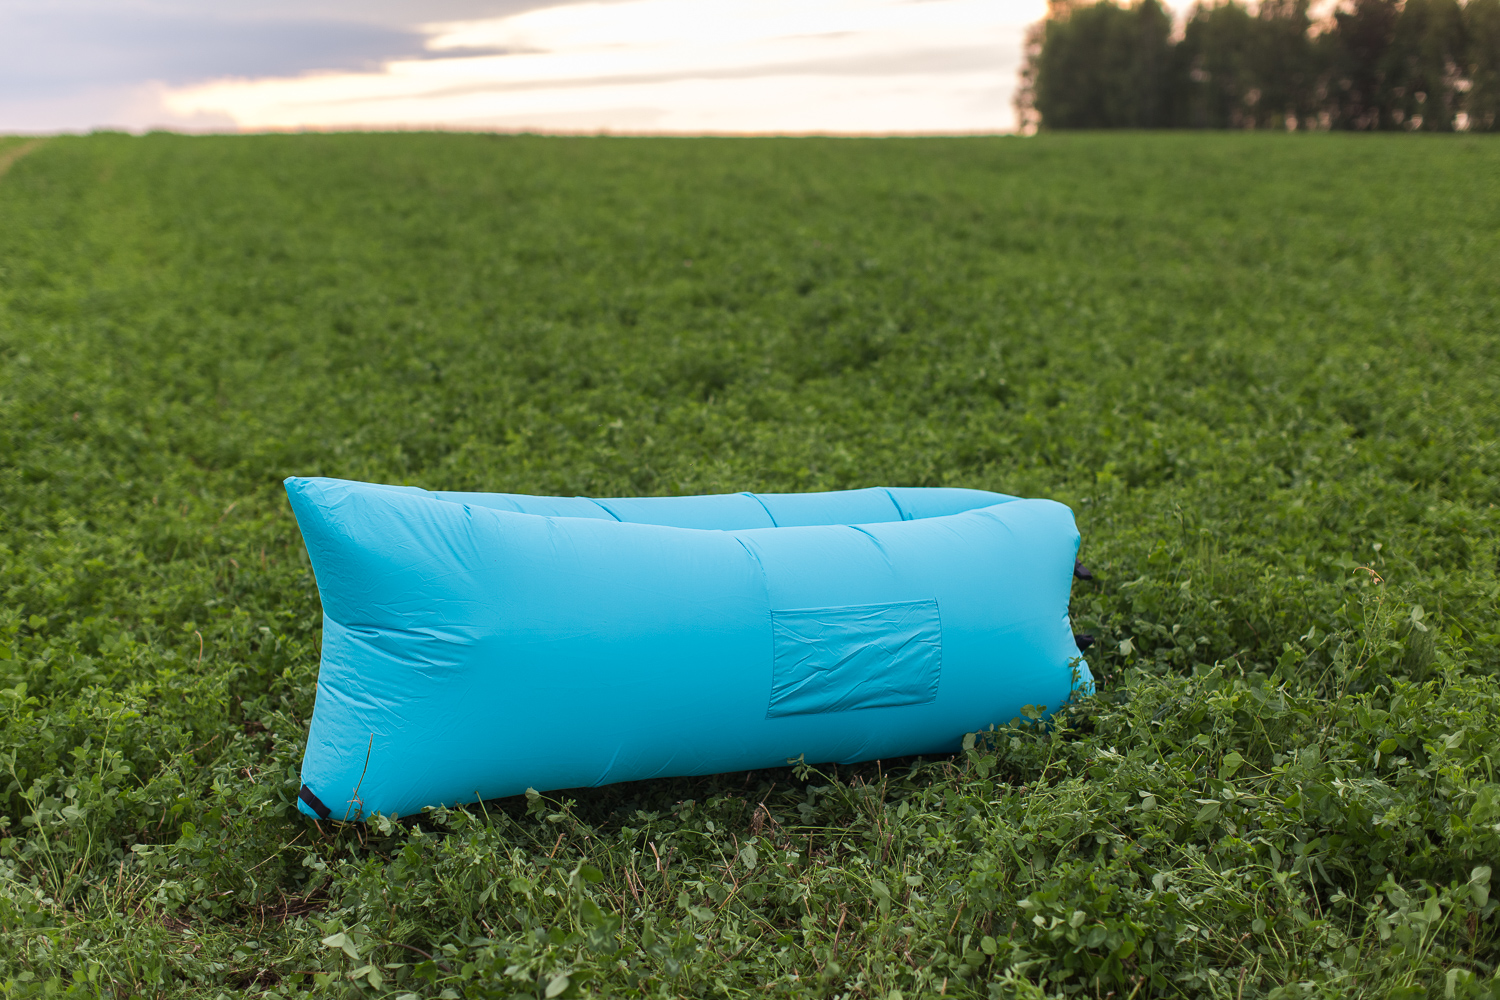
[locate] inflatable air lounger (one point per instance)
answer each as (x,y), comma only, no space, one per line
(477,644)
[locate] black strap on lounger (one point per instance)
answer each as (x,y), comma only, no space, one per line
(314,803)
(1082,640)
(1081,571)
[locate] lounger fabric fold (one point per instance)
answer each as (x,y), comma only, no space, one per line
(475,645)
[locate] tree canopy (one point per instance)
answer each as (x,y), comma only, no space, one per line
(1430,65)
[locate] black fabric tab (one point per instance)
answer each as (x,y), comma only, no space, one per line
(314,803)
(1081,571)
(1082,640)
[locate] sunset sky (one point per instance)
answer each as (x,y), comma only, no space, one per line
(685,66)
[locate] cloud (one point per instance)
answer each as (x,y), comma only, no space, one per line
(54,50)
(670,66)
(78,64)
(132,107)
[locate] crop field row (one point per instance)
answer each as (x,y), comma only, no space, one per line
(1262,369)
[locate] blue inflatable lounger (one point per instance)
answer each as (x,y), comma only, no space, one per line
(477,644)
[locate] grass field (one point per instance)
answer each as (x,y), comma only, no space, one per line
(1264,371)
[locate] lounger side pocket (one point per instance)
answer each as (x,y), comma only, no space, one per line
(864,656)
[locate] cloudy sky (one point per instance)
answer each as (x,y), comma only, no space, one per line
(617,65)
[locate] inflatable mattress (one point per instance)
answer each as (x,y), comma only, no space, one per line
(477,644)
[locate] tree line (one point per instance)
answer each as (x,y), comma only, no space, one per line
(1430,65)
